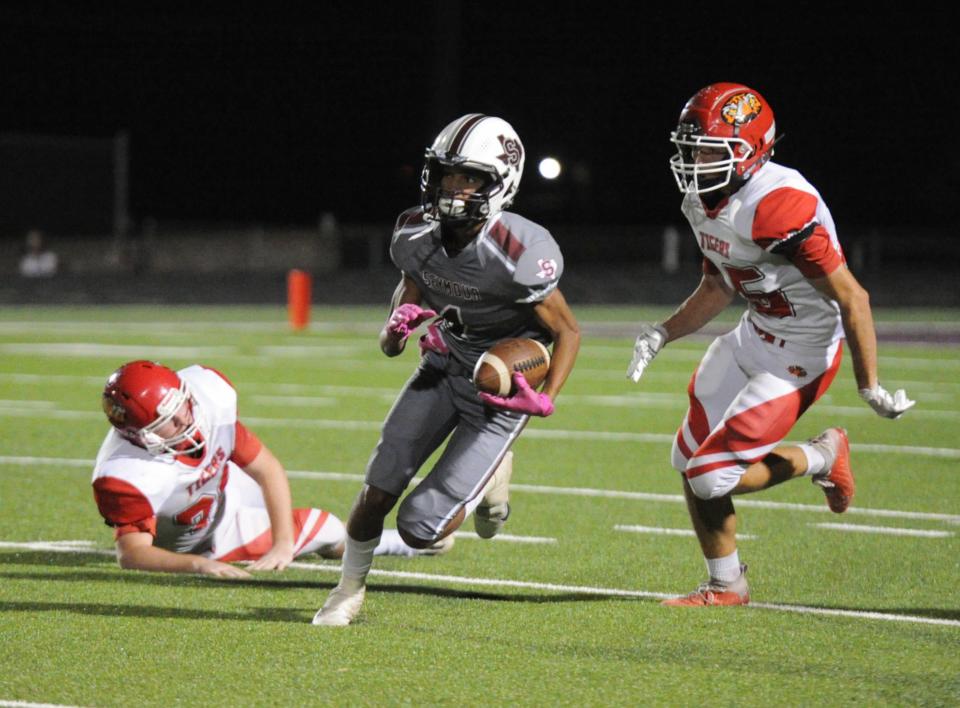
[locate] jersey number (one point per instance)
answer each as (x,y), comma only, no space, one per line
(197,515)
(773,304)
(451,313)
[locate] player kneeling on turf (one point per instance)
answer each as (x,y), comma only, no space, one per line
(189,489)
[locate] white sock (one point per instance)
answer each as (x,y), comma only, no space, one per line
(815,461)
(726,569)
(392,545)
(357,558)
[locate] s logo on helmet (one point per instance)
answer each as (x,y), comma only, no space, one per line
(740,109)
(512,151)
(114,411)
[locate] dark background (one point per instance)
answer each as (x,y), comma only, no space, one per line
(263,113)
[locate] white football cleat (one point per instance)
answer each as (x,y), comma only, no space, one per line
(493,510)
(342,606)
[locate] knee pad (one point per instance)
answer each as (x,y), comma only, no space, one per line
(713,484)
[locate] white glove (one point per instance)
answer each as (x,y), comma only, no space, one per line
(886,404)
(648,344)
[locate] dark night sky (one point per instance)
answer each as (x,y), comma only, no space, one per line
(274,115)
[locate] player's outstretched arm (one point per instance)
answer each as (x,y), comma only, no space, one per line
(266,470)
(857,316)
(705,303)
(405,316)
(135,551)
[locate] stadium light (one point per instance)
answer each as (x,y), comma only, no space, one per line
(549,168)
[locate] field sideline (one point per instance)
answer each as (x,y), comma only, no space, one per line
(860,608)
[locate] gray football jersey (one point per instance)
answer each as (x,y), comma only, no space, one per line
(486,292)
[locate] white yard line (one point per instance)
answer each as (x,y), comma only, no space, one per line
(886,530)
(70,547)
(34,404)
(20,412)
(24,704)
(658,531)
(678,400)
(52,378)
(297,401)
(57,547)
(279,325)
(755,503)
(27,461)
(87,349)
(120,351)
(39,409)
(615,592)
(509,538)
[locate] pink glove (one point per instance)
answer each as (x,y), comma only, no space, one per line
(407,318)
(432,341)
(525,400)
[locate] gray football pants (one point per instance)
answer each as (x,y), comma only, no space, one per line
(439,400)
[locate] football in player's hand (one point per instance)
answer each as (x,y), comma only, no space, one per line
(494,370)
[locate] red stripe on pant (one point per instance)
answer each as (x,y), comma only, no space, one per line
(696,420)
(256,548)
(765,424)
(312,534)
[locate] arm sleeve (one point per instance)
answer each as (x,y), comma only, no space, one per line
(123,507)
(785,224)
(708,268)
(817,257)
(246,446)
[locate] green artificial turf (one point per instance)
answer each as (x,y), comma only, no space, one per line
(492,622)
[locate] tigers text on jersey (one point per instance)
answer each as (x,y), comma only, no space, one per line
(487,291)
(180,500)
(766,240)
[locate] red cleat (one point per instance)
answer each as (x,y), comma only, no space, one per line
(715,593)
(837,481)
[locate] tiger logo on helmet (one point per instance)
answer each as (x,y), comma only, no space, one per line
(741,109)
(116,414)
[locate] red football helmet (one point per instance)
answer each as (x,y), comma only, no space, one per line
(142,396)
(728,117)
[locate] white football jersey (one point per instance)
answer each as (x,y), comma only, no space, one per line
(185,496)
(766,240)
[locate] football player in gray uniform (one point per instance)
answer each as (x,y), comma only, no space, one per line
(475,274)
